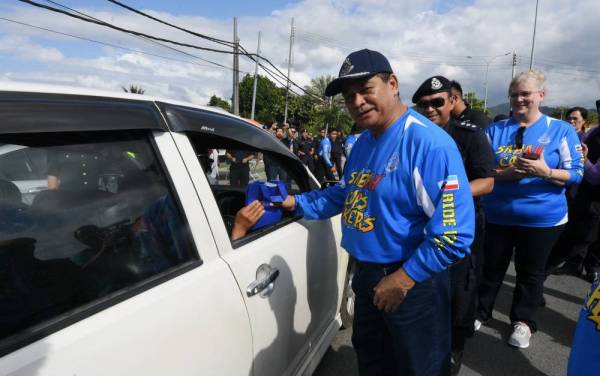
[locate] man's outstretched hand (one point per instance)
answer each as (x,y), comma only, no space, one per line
(289,203)
(245,218)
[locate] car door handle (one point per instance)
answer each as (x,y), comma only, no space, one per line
(265,276)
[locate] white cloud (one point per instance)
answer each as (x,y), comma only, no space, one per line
(419,42)
(24,49)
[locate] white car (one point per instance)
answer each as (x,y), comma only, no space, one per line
(126,267)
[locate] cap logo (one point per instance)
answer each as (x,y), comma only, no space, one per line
(346,67)
(435,84)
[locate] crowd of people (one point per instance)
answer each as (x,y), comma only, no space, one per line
(324,153)
(436,201)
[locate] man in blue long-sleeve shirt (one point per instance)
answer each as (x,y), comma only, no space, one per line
(325,159)
(407,215)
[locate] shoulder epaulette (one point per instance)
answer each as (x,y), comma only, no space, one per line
(466,124)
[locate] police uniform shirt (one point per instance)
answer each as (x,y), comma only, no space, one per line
(305,145)
(472,116)
(337,148)
(474,148)
(239,155)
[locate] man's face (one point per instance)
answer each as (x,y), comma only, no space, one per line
(576,120)
(292,133)
(436,107)
(455,95)
(305,134)
(333,135)
(322,133)
(371,102)
(279,133)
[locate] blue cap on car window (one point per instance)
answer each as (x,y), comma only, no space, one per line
(271,192)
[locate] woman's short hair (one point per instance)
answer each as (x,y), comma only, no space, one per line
(534,76)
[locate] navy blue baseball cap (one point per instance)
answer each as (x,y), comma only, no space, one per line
(358,65)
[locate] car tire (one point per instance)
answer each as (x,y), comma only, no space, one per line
(348,297)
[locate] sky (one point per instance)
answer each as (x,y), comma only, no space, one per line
(460,39)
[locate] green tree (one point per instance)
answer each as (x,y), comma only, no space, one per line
(476,103)
(592,117)
(270,99)
(559,112)
(134,89)
(219,102)
(330,111)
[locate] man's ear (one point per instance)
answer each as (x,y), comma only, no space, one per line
(393,81)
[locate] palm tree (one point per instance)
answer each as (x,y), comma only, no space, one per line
(317,88)
(133,89)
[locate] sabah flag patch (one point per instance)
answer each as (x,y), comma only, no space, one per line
(451,183)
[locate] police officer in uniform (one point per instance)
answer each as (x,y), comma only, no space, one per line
(463,112)
(434,100)
(306,150)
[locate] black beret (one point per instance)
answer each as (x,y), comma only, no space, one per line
(432,85)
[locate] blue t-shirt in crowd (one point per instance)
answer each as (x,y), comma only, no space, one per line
(404,197)
(585,351)
(349,144)
(325,151)
(533,201)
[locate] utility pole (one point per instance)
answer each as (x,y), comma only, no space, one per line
(287,92)
(235,97)
(534,28)
(487,69)
(255,79)
(514,64)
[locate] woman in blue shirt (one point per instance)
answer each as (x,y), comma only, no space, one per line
(537,157)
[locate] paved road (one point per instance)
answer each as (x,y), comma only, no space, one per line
(487,353)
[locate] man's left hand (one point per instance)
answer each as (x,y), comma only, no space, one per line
(391,291)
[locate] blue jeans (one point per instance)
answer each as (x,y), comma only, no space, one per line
(413,340)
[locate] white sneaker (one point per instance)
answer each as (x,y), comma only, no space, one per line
(477,325)
(520,335)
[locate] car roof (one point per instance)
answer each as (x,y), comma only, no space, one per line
(70,109)
(7,87)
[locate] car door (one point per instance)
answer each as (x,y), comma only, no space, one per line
(295,317)
(126,282)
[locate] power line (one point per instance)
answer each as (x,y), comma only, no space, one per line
(212,39)
(143,38)
(106,24)
(122,47)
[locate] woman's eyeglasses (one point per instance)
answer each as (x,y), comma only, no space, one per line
(522,94)
(435,103)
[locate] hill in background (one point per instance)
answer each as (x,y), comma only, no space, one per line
(504,108)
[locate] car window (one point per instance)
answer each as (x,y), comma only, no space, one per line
(15,165)
(230,167)
(112,222)
(38,160)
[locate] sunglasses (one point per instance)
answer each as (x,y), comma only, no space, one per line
(435,103)
(519,137)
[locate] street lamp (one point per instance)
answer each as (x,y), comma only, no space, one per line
(487,69)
